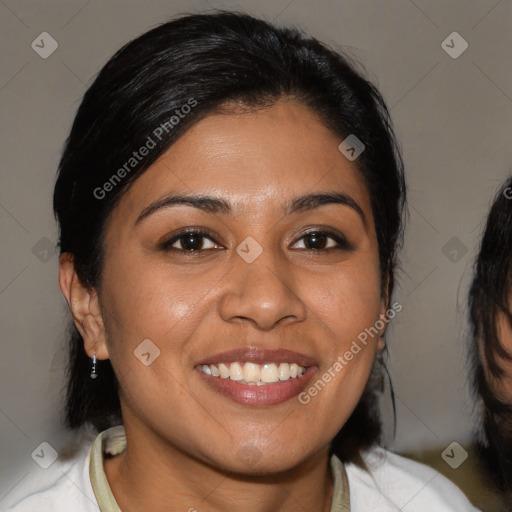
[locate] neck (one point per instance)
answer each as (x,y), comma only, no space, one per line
(152,476)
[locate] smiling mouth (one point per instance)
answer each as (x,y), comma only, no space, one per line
(257,377)
(254,374)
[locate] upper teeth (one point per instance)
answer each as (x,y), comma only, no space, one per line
(251,373)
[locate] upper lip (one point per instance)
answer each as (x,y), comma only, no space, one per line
(258,356)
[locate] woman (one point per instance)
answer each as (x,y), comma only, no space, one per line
(230,202)
(491,321)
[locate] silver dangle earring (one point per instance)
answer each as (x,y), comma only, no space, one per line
(94,373)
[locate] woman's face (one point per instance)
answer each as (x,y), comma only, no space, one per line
(283,268)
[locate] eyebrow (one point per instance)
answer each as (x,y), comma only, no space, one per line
(312,201)
(214,205)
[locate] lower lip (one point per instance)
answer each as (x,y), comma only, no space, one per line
(269,394)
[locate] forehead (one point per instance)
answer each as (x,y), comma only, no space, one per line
(259,158)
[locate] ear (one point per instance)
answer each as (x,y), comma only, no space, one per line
(384,319)
(383,312)
(84,305)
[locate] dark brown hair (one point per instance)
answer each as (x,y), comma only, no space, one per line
(490,295)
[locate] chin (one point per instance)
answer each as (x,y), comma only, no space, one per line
(251,461)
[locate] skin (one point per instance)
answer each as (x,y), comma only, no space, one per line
(503,385)
(185,442)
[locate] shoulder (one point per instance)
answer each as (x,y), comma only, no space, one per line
(395,483)
(63,486)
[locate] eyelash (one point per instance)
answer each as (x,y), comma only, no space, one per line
(341,241)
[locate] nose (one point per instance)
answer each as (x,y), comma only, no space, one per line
(261,293)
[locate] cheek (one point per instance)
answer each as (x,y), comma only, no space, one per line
(348,305)
(150,315)
(502,387)
(349,300)
(504,331)
(153,309)
(151,300)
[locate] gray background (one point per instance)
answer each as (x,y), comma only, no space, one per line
(452,117)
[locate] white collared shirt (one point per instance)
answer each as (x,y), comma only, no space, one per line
(393,483)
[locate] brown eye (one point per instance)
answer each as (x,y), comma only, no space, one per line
(315,240)
(322,240)
(190,241)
